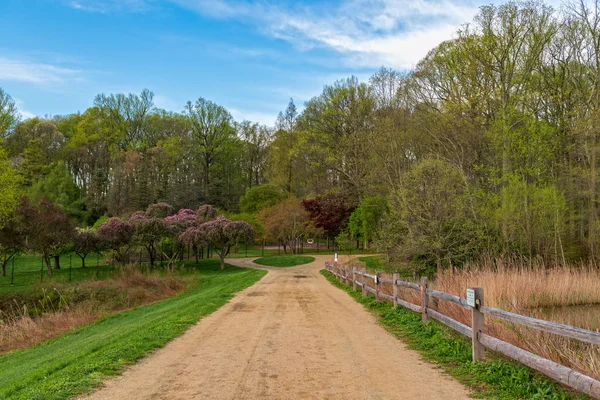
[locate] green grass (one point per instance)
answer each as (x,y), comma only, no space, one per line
(497,378)
(257,251)
(75,362)
(378,263)
(28,272)
(284,261)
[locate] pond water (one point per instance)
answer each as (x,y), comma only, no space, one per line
(582,316)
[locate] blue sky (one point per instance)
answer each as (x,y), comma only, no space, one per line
(249,56)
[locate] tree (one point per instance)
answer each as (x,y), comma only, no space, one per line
(85,241)
(212,128)
(59,187)
(365,219)
(287,223)
(47,227)
(159,210)
(329,212)
(12,241)
(127,115)
(256,139)
(220,234)
(206,213)
(149,228)
(8,113)
(435,213)
(341,125)
(258,197)
(9,184)
(117,235)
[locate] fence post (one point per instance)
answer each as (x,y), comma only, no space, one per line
(477,323)
(362,280)
(395,278)
(377,279)
(339,268)
(353,277)
(425,299)
(346,273)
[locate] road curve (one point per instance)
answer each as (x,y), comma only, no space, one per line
(290,336)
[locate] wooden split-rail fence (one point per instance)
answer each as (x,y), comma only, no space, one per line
(480,340)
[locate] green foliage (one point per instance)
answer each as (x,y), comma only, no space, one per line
(533,218)
(100,221)
(34,165)
(496,378)
(59,187)
(284,261)
(433,218)
(252,219)
(9,194)
(77,361)
(364,221)
(258,197)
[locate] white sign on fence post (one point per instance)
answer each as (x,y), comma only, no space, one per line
(335,257)
(471,297)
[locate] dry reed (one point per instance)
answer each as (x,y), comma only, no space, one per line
(95,299)
(531,288)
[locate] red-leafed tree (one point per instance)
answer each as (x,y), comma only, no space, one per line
(117,235)
(47,227)
(12,241)
(330,213)
(221,234)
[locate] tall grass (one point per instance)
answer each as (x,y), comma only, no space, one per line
(58,308)
(531,288)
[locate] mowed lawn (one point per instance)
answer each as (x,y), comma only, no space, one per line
(284,261)
(29,271)
(75,362)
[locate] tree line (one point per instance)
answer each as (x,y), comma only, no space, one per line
(488,146)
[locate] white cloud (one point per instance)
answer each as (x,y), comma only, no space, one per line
(368,33)
(106,6)
(37,73)
(263,118)
(22,111)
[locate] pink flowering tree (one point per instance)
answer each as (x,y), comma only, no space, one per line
(85,241)
(206,213)
(148,231)
(221,234)
(176,225)
(159,210)
(117,235)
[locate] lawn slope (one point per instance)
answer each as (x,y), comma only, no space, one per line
(75,362)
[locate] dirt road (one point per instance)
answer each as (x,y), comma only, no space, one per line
(290,336)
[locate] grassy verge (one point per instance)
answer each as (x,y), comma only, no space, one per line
(378,263)
(75,362)
(284,261)
(496,378)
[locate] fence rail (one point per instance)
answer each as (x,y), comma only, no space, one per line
(564,375)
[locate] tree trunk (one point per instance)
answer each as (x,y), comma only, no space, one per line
(56,262)
(4,267)
(47,262)
(82,261)
(222,257)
